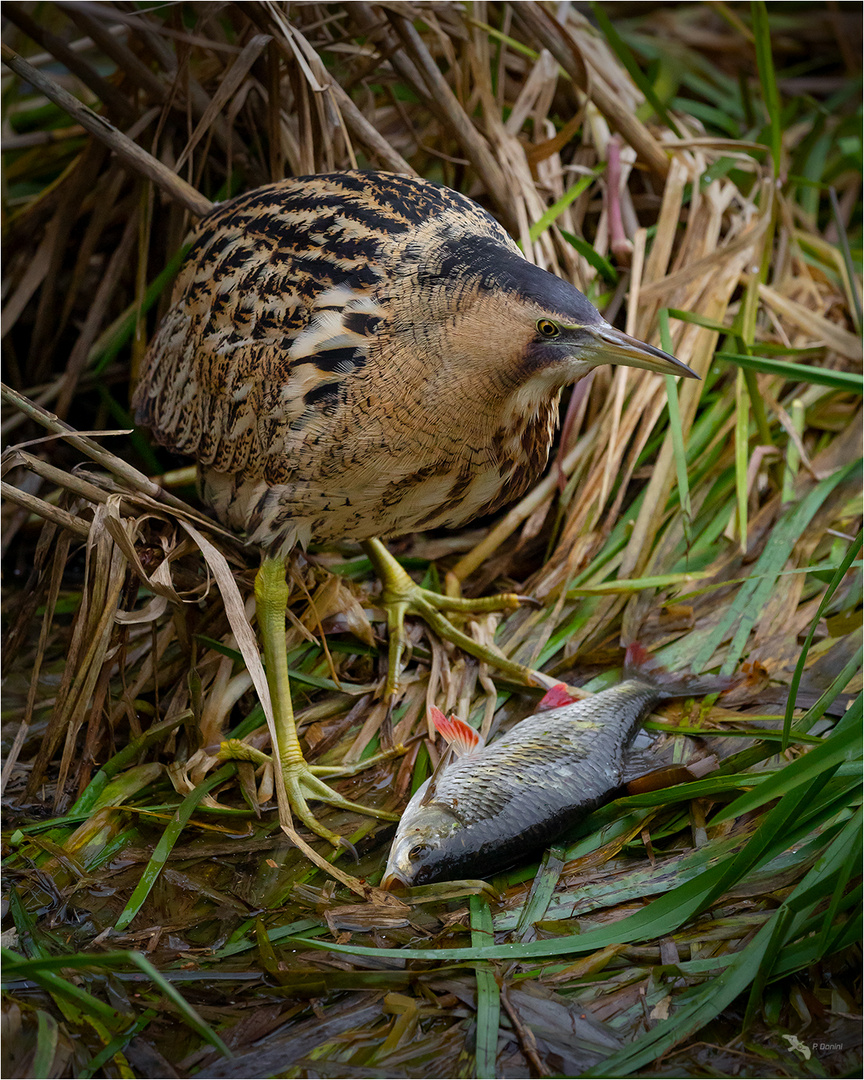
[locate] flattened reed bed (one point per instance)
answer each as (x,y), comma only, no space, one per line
(696,170)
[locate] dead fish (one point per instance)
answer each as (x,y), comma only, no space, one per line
(491,806)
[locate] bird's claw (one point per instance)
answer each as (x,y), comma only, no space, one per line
(401,596)
(302,784)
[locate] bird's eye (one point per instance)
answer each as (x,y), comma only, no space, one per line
(547,328)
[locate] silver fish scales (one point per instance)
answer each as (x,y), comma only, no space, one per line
(497,804)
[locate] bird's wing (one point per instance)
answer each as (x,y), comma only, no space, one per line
(280,296)
(267,318)
(229,391)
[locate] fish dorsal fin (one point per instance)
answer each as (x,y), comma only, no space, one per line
(637,656)
(429,793)
(554,699)
(461,740)
(432,783)
(459,736)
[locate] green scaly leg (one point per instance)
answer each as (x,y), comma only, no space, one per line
(301,779)
(400,596)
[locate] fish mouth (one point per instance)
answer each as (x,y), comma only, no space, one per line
(393,879)
(611,346)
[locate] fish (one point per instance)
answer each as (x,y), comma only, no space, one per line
(485,808)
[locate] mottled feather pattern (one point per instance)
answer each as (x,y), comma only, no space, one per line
(317,362)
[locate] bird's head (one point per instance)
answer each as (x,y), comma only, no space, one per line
(520,328)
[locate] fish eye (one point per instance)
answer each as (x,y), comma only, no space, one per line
(417,851)
(547,328)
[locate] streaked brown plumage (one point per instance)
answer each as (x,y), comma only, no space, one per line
(363,355)
(344,357)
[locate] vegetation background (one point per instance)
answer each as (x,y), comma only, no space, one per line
(696,170)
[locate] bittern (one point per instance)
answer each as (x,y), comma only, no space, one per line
(360,356)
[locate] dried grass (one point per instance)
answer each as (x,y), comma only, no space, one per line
(716,547)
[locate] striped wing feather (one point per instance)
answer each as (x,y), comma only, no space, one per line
(256,327)
(276,305)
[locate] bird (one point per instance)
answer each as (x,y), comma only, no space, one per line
(359,356)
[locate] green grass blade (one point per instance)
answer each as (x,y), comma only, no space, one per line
(834,749)
(838,380)
(569,196)
(625,55)
(663,581)
(16,967)
(854,549)
(851,276)
(719,992)
(676,431)
(773,835)
(751,598)
(818,709)
(125,757)
(780,933)
(47,1031)
(770,95)
(634,585)
(696,319)
(40,971)
(830,872)
(846,871)
(511,43)
(116,1046)
(793,457)
(185,1009)
(30,939)
(275,934)
(488,995)
(294,674)
(742,445)
(602,265)
(542,890)
(168,840)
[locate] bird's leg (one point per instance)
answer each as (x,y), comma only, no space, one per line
(401,596)
(301,783)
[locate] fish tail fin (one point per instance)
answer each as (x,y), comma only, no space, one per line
(640,664)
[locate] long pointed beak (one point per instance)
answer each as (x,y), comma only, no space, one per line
(611,346)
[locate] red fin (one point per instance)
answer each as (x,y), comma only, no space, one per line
(435,715)
(463,739)
(640,664)
(637,656)
(556,697)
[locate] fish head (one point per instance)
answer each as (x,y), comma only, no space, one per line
(422,849)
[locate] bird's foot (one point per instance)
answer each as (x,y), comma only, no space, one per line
(401,596)
(302,783)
